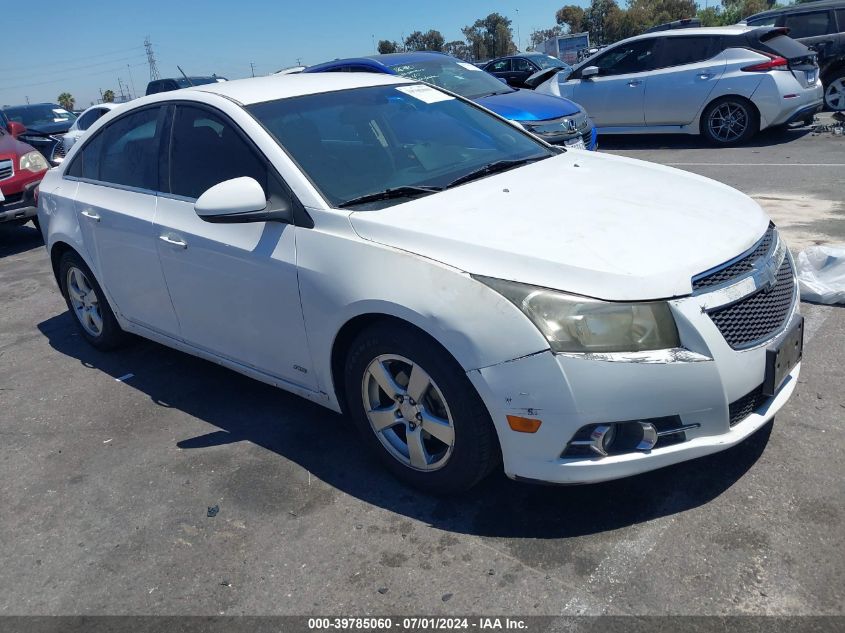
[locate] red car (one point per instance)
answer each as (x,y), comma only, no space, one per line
(21,169)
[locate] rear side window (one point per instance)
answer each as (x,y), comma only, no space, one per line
(130,150)
(521,65)
(808,24)
(501,66)
(680,50)
(206,150)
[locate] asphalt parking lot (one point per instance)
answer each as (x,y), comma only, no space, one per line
(110,463)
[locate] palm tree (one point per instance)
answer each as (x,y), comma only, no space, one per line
(66,100)
(108,96)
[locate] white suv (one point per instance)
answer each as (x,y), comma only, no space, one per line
(725,83)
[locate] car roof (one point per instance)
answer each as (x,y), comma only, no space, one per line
(32,105)
(800,8)
(260,89)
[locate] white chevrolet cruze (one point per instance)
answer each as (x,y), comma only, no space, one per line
(466,293)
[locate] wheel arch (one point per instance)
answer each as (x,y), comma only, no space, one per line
(702,119)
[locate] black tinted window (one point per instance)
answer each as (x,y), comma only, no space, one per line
(634,57)
(808,24)
(206,150)
(501,66)
(89,118)
(677,51)
(90,158)
(130,150)
(840,19)
(521,65)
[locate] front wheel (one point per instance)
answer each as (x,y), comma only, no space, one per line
(834,93)
(729,121)
(417,410)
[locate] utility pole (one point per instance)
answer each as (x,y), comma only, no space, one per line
(101,95)
(151,60)
(132,81)
(122,96)
(27,100)
(252,67)
(299,61)
(518,34)
(374,43)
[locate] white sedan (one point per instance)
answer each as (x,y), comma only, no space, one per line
(400,254)
(85,120)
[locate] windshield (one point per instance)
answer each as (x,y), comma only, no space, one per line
(460,77)
(353,143)
(547,61)
(43,114)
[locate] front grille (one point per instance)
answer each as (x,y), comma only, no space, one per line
(58,151)
(739,267)
(7,169)
(561,129)
(758,316)
(740,409)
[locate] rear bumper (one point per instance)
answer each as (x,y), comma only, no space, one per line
(805,112)
(19,206)
(781,99)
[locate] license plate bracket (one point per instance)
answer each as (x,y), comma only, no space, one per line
(575,144)
(783,356)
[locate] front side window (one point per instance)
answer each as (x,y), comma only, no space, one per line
(501,66)
(459,77)
(685,49)
(129,154)
(808,24)
(634,57)
(522,65)
(353,143)
(205,150)
(547,61)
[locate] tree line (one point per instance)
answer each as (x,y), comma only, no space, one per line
(605,20)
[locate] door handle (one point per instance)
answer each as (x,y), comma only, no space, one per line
(634,83)
(91,215)
(173,242)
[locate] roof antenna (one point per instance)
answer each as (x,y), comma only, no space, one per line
(190,83)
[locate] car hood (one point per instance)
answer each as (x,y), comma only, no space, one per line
(10,146)
(527,105)
(596,225)
(45,129)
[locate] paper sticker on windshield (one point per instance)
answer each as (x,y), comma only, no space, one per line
(426,94)
(469,66)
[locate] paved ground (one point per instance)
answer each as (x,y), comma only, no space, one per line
(106,482)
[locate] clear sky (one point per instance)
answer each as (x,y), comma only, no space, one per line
(83,47)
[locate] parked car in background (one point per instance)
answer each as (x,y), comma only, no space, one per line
(725,83)
(46,124)
(820,26)
(555,120)
(463,291)
(515,69)
(177,83)
(85,120)
(21,169)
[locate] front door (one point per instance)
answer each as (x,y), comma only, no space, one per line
(234,286)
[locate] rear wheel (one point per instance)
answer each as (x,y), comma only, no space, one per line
(834,93)
(85,299)
(416,409)
(729,121)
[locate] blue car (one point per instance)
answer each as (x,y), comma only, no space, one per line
(554,119)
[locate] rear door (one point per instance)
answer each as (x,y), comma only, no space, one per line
(500,69)
(615,97)
(521,69)
(687,68)
(118,172)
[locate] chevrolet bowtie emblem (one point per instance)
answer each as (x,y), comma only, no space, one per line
(768,275)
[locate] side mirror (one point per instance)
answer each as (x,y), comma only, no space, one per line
(589,72)
(16,129)
(238,201)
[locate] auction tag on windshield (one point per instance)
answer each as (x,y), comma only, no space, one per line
(426,94)
(469,66)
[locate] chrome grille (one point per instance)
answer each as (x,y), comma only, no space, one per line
(7,169)
(742,265)
(567,127)
(759,316)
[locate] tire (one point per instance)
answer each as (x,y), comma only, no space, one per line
(834,91)
(729,121)
(87,303)
(450,461)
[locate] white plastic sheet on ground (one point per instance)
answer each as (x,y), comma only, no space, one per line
(821,273)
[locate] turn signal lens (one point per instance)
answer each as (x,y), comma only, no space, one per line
(523,425)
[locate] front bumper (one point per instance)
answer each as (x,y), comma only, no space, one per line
(565,131)
(19,206)
(704,384)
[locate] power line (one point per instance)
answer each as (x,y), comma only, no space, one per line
(65,80)
(151,60)
(71,60)
(62,71)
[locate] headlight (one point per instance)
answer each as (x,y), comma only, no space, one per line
(33,161)
(579,324)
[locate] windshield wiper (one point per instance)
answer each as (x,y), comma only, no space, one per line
(492,168)
(389,194)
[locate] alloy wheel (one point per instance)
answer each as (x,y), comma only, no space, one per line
(83,299)
(834,95)
(728,122)
(408,412)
